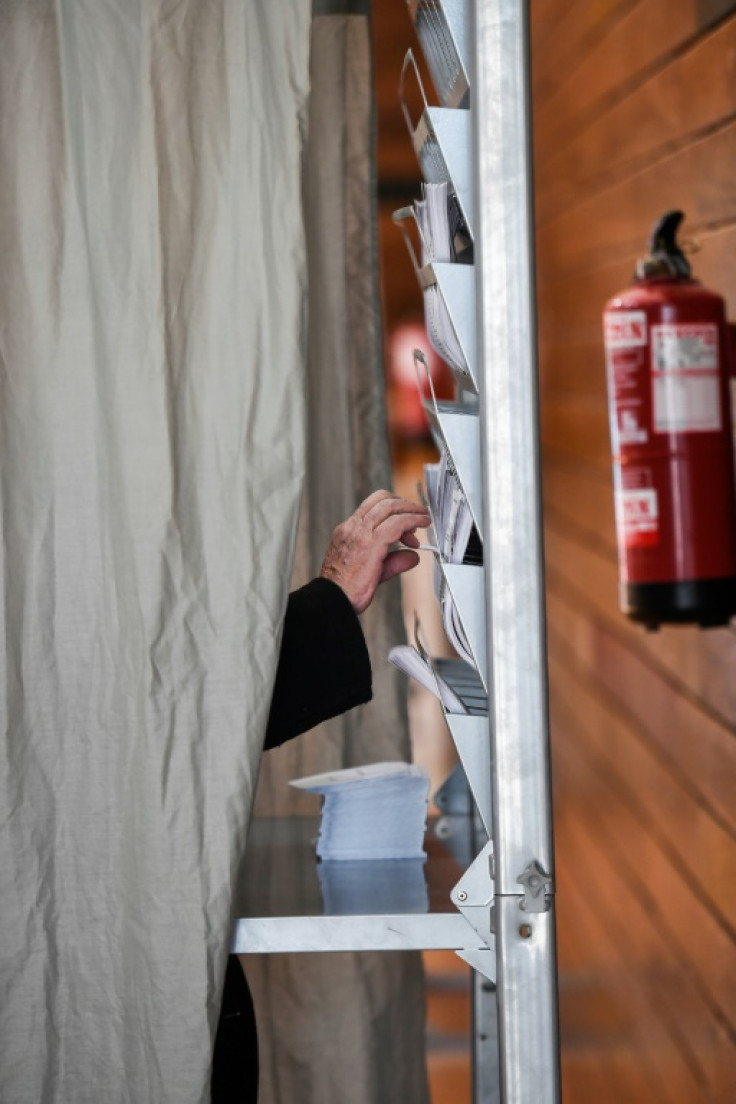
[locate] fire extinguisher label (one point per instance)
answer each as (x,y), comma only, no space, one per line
(685,378)
(626,362)
(638,517)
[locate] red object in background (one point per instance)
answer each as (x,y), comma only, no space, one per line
(667,360)
(407,417)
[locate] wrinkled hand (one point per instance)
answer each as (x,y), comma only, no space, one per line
(359,556)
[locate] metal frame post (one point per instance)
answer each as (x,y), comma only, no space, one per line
(506,327)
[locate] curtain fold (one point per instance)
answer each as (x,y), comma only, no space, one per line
(341,1027)
(151,463)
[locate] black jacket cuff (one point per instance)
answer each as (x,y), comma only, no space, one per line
(324,668)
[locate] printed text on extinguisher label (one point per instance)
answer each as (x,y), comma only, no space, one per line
(626,364)
(638,517)
(685,378)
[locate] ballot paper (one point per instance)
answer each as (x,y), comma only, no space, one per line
(444,240)
(355,888)
(409,660)
(377,811)
(452,624)
(445,235)
(458,539)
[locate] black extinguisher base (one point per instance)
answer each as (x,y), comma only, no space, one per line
(710,603)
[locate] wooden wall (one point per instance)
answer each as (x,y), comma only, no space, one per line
(634,113)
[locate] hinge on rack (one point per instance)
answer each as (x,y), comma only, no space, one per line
(535,881)
(473,896)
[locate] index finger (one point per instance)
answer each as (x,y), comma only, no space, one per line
(392,506)
(373,499)
(398,526)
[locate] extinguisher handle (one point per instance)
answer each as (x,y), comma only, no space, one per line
(665,256)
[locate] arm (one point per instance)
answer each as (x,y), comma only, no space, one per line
(324,668)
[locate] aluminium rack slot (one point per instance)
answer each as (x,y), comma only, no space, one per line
(455,429)
(442,140)
(442,30)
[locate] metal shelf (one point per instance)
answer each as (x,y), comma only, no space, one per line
(287,907)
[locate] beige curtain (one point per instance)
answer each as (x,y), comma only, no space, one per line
(347,1027)
(152,283)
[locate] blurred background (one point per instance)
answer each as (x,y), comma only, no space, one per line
(634,109)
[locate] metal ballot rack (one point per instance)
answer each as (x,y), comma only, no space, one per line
(491,880)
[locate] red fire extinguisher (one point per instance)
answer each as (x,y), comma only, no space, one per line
(667,349)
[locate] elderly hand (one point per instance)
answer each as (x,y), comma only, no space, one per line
(359,556)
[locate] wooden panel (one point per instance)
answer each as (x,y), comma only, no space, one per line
(611,920)
(634,113)
(402,296)
(697,743)
(660,115)
(570,307)
(581,499)
(685,1047)
(699,662)
(646,35)
(701,851)
(577,427)
(573,368)
(393,34)
(599,229)
(563,33)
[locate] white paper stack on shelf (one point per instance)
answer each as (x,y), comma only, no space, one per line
(354,888)
(439,229)
(450,511)
(377,811)
(446,237)
(458,542)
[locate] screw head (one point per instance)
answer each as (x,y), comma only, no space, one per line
(462,895)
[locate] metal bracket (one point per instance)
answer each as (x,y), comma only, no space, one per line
(473,896)
(535,881)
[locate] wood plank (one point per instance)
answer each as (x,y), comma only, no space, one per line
(671,812)
(697,743)
(576,368)
(649,1034)
(646,35)
(671,988)
(571,306)
(581,497)
(571,355)
(686,1033)
(562,32)
(655,118)
(577,427)
(602,227)
(697,664)
(700,663)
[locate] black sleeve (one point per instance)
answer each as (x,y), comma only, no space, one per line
(324,668)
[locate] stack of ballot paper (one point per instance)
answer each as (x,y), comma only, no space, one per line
(445,236)
(354,888)
(442,229)
(374,812)
(457,536)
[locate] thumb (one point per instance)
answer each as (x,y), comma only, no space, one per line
(396,563)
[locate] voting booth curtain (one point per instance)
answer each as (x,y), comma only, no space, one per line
(341,1027)
(153,308)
